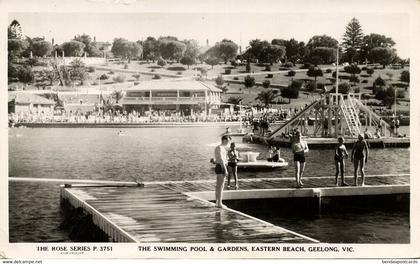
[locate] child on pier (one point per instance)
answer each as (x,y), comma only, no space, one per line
(233,158)
(340,154)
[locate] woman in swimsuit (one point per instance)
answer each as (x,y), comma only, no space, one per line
(299,148)
(358,157)
(233,158)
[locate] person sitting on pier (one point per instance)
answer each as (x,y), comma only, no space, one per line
(378,132)
(233,158)
(358,157)
(299,148)
(220,169)
(340,154)
(276,157)
(274,154)
(367,134)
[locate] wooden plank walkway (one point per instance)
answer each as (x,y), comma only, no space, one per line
(180,211)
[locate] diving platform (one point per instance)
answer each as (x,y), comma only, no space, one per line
(183,211)
(334,115)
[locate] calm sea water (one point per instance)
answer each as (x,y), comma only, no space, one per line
(153,154)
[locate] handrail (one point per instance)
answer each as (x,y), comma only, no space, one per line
(296,117)
(374,115)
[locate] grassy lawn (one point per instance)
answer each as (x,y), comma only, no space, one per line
(391,76)
(239,90)
(94,77)
(174,68)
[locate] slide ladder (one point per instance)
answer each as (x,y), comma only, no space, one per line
(377,119)
(351,116)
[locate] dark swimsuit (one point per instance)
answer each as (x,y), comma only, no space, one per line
(359,146)
(300,156)
(218,169)
(233,160)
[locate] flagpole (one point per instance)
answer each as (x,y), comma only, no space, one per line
(336,75)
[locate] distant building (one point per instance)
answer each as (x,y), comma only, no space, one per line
(184,97)
(29,103)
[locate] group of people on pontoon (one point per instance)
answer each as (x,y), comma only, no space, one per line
(227,160)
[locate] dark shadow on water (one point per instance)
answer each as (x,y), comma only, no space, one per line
(365,220)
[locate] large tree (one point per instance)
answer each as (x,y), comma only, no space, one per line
(295,50)
(272,53)
(383,56)
(73,48)
(322,41)
(372,41)
(172,49)
(126,49)
(90,46)
(187,60)
(192,48)
(41,48)
(265,52)
(225,50)
(151,49)
(322,55)
(353,39)
(212,61)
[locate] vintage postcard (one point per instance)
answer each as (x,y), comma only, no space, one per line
(209,129)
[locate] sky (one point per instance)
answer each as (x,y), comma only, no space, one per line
(213,26)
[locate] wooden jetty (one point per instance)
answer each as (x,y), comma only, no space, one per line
(181,211)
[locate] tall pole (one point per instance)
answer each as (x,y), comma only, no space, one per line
(395,103)
(336,75)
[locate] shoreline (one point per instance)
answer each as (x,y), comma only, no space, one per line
(125,125)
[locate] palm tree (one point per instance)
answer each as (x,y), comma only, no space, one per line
(117,95)
(266,97)
(235,100)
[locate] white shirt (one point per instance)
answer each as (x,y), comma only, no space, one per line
(220,155)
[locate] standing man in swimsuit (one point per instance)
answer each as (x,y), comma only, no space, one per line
(339,156)
(220,169)
(358,157)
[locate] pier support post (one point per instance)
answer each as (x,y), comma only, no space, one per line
(317,202)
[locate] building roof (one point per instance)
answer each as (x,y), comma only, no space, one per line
(27,98)
(174,84)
